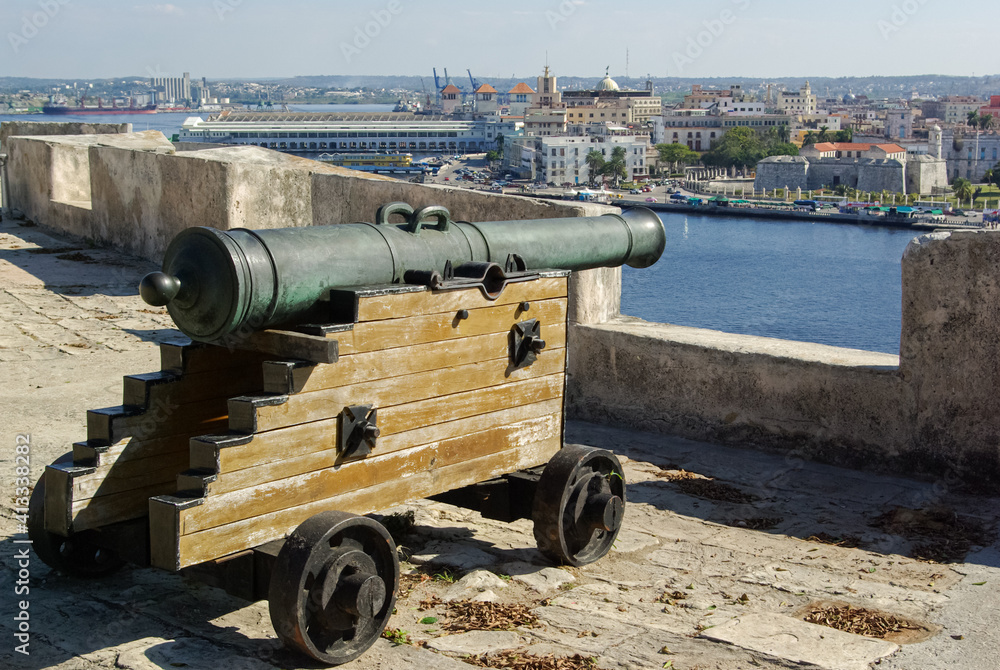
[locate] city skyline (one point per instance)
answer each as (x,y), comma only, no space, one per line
(242,38)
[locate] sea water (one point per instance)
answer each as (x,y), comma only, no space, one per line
(835,284)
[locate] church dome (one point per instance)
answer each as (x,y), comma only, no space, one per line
(607,84)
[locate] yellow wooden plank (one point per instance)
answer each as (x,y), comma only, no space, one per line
(131,475)
(391,333)
(149,391)
(471,403)
(376,308)
(196,358)
(246,417)
(290,344)
(313,446)
(283,377)
(114,424)
(222,540)
(104,510)
(218,510)
(130,449)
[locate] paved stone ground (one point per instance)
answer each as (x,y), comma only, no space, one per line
(689,581)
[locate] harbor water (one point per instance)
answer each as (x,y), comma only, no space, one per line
(828,283)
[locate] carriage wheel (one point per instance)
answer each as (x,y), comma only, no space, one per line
(333,586)
(76,555)
(579,505)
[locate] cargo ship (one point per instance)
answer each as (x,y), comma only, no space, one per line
(65,109)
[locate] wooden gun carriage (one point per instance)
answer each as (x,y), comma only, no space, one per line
(248,459)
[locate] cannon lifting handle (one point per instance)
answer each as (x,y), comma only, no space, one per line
(415,220)
(419,217)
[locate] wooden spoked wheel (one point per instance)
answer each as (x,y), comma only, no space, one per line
(579,505)
(333,586)
(77,555)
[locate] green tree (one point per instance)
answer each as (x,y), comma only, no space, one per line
(500,144)
(824,134)
(845,135)
(616,167)
(986,122)
(739,148)
(993,175)
(676,155)
(972,118)
(810,138)
(781,149)
(784,134)
(595,161)
(962,188)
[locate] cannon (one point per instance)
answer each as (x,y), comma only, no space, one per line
(333,372)
(217,283)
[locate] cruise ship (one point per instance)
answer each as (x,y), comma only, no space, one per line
(307,132)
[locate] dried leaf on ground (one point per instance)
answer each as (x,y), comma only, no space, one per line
(940,535)
(848,542)
(516,661)
(700,486)
(465,615)
(77,256)
(677,475)
(407,583)
(757,523)
(859,621)
(669,597)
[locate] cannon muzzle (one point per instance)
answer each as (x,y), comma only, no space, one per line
(215,283)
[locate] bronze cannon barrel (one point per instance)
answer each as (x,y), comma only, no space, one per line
(216,283)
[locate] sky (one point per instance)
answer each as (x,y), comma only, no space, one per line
(219,39)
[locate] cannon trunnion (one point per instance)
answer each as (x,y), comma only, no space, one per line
(247,465)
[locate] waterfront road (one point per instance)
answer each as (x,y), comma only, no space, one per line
(724,551)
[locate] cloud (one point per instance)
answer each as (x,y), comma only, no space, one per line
(167,10)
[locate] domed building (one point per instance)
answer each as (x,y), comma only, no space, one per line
(608,103)
(607,84)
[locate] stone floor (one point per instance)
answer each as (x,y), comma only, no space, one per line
(714,574)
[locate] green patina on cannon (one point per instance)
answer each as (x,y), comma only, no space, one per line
(216,283)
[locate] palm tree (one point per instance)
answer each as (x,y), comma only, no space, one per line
(616,168)
(972,118)
(595,161)
(810,138)
(986,122)
(962,188)
(824,133)
(784,134)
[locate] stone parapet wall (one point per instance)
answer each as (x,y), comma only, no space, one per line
(37,128)
(950,350)
(812,400)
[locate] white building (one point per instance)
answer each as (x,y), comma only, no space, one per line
(562,160)
(320,132)
(801,102)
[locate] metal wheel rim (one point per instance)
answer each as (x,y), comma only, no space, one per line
(570,480)
(312,572)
